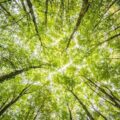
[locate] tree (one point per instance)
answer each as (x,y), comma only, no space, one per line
(68,51)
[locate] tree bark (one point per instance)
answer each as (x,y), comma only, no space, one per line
(84,9)
(83,106)
(34,19)
(17,72)
(13,101)
(46,11)
(110,96)
(70,112)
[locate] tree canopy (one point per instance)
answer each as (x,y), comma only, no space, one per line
(59,59)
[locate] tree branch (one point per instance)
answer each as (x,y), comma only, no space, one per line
(109,39)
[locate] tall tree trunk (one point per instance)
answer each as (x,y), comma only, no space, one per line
(17,72)
(84,9)
(46,11)
(83,106)
(70,112)
(34,19)
(13,101)
(110,96)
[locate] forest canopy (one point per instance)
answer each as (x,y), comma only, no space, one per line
(59,59)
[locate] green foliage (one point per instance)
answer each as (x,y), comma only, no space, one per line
(64,81)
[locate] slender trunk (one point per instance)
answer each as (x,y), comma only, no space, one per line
(2,105)
(34,118)
(110,102)
(34,19)
(23,5)
(17,72)
(83,106)
(110,5)
(111,97)
(13,101)
(82,12)
(70,113)
(46,12)
(99,112)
